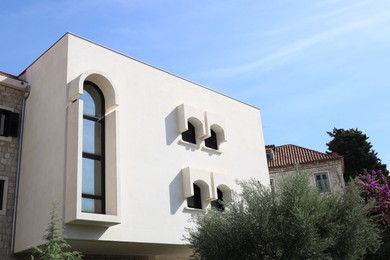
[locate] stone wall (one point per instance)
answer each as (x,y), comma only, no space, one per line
(10,99)
(334,168)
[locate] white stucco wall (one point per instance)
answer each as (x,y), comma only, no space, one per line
(149,153)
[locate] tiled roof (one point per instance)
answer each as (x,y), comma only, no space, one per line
(287,155)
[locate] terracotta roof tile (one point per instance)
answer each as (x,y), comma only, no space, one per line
(287,155)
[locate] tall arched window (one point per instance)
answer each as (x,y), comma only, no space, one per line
(93,163)
(189,135)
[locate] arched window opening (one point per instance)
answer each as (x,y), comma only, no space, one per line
(189,135)
(196,200)
(211,142)
(93,163)
(218,203)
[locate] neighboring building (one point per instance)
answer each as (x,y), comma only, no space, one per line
(129,152)
(326,170)
(12,92)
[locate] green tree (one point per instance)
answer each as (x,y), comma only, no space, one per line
(357,151)
(294,222)
(56,247)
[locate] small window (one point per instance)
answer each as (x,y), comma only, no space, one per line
(196,200)
(9,123)
(322,182)
(189,135)
(211,142)
(218,203)
(3,194)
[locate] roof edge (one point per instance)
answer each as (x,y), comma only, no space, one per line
(147,64)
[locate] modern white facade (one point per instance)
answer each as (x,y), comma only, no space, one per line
(148,171)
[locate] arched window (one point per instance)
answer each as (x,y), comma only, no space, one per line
(211,142)
(189,135)
(93,163)
(196,200)
(218,202)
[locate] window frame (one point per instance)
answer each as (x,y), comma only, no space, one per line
(9,122)
(319,183)
(96,157)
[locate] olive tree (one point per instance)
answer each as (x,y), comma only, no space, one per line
(295,222)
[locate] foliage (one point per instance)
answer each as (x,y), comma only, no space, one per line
(295,222)
(376,190)
(356,150)
(55,246)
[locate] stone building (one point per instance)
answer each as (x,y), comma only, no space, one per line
(326,170)
(12,93)
(128,151)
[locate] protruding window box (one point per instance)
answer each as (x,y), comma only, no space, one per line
(92,181)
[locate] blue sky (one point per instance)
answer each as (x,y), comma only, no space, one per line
(308,65)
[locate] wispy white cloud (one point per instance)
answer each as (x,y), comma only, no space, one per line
(296,47)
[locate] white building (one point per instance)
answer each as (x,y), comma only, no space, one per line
(129,152)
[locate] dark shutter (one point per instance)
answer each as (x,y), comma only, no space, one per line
(1,193)
(13,124)
(9,123)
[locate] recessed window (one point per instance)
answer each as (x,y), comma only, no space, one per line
(93,177)
(196,200)
(218,203)
(211,142)
(322,182)
(189,135)
(9,123)
(3,194)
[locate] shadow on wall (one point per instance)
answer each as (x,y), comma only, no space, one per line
(171,131)
(88,232)
(176,197)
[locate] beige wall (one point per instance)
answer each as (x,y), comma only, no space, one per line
(149,154)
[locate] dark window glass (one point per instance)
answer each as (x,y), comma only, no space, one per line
(211,142)
(218,202)
(93,177)
(189,135)
(9,123)
(196,200)
(1,193)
